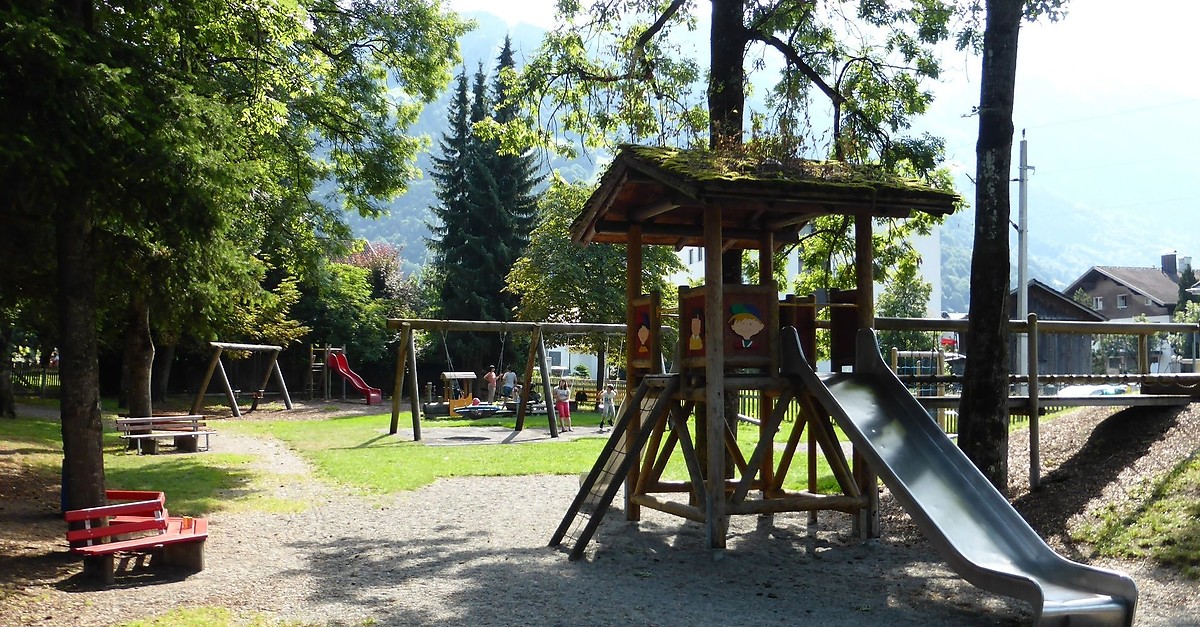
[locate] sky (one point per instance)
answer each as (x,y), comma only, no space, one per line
(1111,111)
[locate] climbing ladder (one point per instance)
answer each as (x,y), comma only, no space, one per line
(651,402)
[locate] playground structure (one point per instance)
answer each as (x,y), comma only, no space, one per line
(325,361)
(215,365)
(336,362)
(406,361)
(730,339)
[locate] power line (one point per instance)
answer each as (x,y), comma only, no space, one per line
(1128,206)
(1178,158)
(1114,114)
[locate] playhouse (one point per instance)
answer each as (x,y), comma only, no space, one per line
(735,337)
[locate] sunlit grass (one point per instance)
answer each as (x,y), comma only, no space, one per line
(207,616)
(1160,521)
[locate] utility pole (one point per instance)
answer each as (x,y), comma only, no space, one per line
(1023,255)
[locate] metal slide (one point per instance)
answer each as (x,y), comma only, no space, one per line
(971,524)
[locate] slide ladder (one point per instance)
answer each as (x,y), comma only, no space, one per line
(970,523)
(600,486)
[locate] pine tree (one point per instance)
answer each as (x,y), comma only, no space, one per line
(452,240)
(487,210)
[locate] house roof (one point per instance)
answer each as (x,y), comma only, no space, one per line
(1085,313)
(666,191)
(1151,282)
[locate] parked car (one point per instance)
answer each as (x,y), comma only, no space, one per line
(1092,390)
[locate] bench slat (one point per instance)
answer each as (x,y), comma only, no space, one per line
(135,495)
(104,511)
(121,528)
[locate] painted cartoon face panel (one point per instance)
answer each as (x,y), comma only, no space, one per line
(746,322)
(643,333)
(696,339)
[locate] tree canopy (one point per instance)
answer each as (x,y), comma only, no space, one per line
(167,159)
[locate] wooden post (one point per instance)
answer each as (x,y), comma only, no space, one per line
(233,406)
(866,524)
(527,378)
(398,385)
(551,410)
(633,289)
(716,523)
(1035,465)
(415,395)
(198,404)
(766,276)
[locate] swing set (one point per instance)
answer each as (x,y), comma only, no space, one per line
(215,366)
(406,360)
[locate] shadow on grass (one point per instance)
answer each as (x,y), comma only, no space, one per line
(194,485)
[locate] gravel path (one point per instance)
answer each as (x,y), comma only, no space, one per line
(472,551)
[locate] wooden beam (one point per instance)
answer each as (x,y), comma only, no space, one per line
(497,326)
(670,507)
(654,209)
(802,503)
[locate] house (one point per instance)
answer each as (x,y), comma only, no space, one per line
(1058,353)
(1124,293)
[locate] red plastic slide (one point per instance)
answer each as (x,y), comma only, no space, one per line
(337,363)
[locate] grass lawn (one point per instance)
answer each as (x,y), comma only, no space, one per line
(358,452)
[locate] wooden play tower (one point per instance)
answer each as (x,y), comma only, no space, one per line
(729,334)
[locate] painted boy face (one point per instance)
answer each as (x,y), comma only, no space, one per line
(747,326)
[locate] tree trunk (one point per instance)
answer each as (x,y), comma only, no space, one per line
(983,412)
(138,360)
(160,376)
(8,404)
(727,74)
(79,370)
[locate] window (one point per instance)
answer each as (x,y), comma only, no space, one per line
(1149,302)
(1097,303)
(1122,301)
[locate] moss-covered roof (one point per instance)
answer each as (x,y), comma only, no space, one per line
(667,189)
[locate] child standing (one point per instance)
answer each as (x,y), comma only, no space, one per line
(608,407)
(562,405)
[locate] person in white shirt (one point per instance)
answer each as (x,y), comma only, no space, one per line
(608,405)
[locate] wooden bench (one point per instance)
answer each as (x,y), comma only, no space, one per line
(184,431)
(140,526)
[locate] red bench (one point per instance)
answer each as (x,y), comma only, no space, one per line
(140,525)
